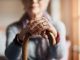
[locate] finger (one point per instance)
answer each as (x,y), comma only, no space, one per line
(40,27)
(52,30)
(37,23)
(33,22)
(50,27)
(37,30)
(44,35)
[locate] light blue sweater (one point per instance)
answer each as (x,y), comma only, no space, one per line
(56,52)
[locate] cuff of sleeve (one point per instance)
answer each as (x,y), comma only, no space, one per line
(58,38)
(17,41)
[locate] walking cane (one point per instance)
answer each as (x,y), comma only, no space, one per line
(25,47)
(25,44)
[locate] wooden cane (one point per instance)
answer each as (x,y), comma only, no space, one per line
(25,50)
(25,43)
(25,47)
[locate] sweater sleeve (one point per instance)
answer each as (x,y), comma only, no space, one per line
(13,51)
(60,49)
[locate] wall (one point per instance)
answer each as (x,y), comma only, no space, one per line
(10,11)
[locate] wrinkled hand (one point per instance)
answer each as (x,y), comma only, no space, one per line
(37,26)
(42,27)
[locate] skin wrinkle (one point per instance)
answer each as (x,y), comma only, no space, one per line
(37,26)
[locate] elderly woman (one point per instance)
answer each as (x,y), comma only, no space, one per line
(41,45)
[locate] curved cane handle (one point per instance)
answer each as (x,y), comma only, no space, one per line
(53,39)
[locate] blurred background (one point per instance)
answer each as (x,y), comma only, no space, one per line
(66,10)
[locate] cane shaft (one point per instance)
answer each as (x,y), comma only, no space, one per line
(25,50)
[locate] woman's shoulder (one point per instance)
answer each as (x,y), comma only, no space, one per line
(58,24)
(13,27)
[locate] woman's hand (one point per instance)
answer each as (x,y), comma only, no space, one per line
(42,27)
(38,27)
